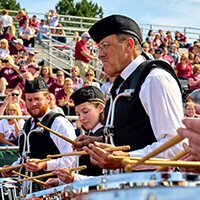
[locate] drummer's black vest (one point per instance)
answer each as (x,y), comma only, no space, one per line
(41,144)
(91,170)
(131,123)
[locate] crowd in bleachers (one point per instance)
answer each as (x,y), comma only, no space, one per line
(18,63)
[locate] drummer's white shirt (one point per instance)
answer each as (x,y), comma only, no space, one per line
(162,101)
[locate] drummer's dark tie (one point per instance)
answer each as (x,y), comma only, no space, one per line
(116,84)
(35,121)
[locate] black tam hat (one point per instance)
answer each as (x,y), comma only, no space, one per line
(87,94)
(36,85)
(115,24)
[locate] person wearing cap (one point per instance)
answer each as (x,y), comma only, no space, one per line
(17,48)
(44,143)
(33,69)
(89,105)
(154,111)
(83,55)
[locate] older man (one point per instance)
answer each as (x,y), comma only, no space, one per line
(153,112)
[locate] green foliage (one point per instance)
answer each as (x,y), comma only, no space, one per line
(9,5)
(83,8)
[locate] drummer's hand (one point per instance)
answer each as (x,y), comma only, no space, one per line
(85,140)
(52,182)
(99,156)
(65,175)
(6,173)
(32,165)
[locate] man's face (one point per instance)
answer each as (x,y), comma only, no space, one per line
(113,55)
(37,103)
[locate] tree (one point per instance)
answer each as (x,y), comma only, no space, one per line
(9,5)
(83,8)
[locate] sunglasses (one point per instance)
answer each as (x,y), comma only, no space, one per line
(15,94)
(89,74)
(59,75)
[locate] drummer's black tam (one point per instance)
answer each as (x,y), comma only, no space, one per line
(36,85)
(87,94)
(115,24)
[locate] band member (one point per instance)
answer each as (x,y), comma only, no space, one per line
(154,111)
(44,143)
(89,106)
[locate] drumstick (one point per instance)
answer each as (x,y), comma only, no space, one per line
(112,157)
(35,180)
(79,153)
(51,173)
(160,149)
(177,157)
(21,165)
(58,134)
(185,164)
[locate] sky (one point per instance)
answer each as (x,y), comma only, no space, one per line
(165,12)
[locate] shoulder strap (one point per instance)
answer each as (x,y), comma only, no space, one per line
(49,118)
(145,68)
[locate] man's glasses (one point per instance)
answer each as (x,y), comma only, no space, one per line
(103,45)
(15,94)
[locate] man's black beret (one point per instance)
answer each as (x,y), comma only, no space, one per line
(115,24)
(87,94)
(36,85)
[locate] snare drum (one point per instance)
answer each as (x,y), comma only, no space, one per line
(9,189)
(143,185)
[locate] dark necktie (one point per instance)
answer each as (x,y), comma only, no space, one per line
(116,84)
(35,121)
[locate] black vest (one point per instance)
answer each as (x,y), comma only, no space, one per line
(41,144)
(91,170)
(131,123)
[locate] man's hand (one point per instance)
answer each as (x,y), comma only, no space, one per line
(85,140)
(33,165)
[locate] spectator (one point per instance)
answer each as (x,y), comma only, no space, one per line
(26,34)
(157,41)
(33,69)
(53,18)
(77,81)
(150,38)
(194,96)
(184,68)
(31,57)
(33,24)
(17,48)
(58,85)
(182,40)
(9,34)
(194,79)
(60,34)
(75,39)
(174,53)
(145,47)
(53,106)
(10,128)
(8,71)
(42,31)
(167,57)
(63,97)
(83,55)
(5,21)
(190,110)
(105,88)
(4,48)
(90,75)
(158,54)
(22,17)
(46,73)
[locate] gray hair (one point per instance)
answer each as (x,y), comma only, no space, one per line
(123,36)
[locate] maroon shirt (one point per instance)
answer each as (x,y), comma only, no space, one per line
(54,88)
(14,51)
(80,46)
(8,73)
